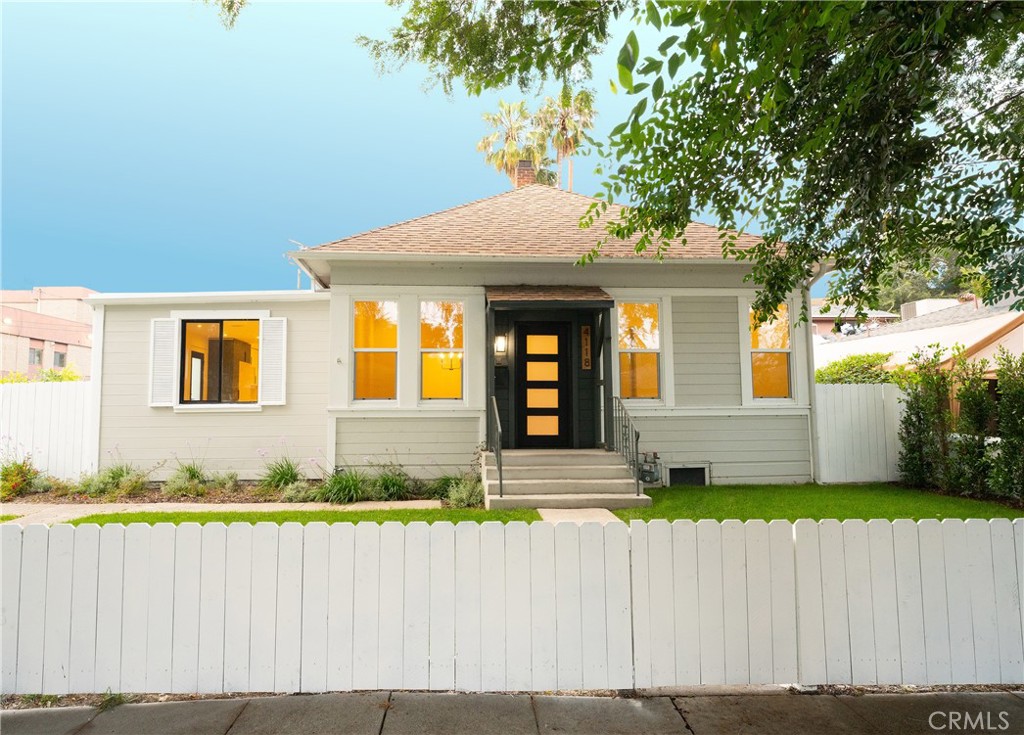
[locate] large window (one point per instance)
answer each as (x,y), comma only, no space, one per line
(375,346)
(639,350)
(220,361)
(441,349)
(770,356)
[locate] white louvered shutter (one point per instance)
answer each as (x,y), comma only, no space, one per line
(273,338)
(163,362)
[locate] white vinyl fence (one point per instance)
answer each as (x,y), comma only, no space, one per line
(858,432)
(496,607)
(51,421)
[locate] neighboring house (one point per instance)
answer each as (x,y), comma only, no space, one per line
(416,330)
(49,327)
(981,330)
(825,322)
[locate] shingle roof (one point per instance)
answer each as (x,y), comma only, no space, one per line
(966,312)
(562,294)
(848,312)
(532,221)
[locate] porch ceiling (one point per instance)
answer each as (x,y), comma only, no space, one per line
(510,297)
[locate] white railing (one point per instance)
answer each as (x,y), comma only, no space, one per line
(515,607)
(53,422)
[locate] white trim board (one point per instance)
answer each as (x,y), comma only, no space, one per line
(207,297)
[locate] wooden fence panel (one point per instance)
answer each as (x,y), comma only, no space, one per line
(51,421)
(857,432)
(519,607)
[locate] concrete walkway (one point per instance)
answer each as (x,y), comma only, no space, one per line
(49,513)
(411,713)
(579,515)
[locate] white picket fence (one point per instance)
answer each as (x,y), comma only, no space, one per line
(51,421)
(858,432)
(496,607)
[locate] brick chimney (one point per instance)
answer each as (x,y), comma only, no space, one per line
(525,174)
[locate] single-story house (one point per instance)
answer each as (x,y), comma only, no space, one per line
(421,338)
(982,330)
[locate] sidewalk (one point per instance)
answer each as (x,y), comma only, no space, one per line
(411,713)
(29,513)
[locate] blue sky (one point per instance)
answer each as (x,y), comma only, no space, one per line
(147,148)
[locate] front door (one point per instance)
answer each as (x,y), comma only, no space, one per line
(543,385)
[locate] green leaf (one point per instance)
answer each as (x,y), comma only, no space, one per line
(667,44)
(658,89)
(673,64)
(625,78)
(653,16)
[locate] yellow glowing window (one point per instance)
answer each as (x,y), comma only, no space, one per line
(220,361)
(542,398)
(639,335)
(441,349)
(542,344)
(375,344)
(542,425)
(541,371)
(770,351)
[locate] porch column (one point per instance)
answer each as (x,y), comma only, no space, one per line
(489,362)
(606,376)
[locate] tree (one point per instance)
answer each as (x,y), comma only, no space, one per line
(564,121)
(856,134)
(513,140)
(858,369)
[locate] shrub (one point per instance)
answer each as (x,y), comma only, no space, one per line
(438,488)
(969,456)
(344,486)
(279,474)
(927,422)
(16,475)
(122,479)
(50,484)
(391,483)
(188,481)
(468,492)
(1007,477)
(14,377)
(866,368)
(225,481)
(65,374)
(298,492)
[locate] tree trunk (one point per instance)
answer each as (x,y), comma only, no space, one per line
(570,173)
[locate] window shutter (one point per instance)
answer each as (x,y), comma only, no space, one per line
(163,362)
(273,333)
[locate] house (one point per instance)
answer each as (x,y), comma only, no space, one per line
(45,327)
(422,338)
(825,322)
(980,329)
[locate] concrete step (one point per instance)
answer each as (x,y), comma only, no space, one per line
(567,472)
(584,500)
(561,487)
(554,457)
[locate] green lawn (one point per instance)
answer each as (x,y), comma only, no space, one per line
(791,502)
(430,515)
(4,519)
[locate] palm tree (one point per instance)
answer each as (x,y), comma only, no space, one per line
(565,121)
(513,140)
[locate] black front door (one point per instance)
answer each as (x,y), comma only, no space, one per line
(543,385)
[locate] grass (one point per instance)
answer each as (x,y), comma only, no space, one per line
(429,515)
(792,502)
(4,519)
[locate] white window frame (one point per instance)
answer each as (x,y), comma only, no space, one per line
(397,350)
(461,400)
(747,366)
(39,351)
(666,387)
(179,318)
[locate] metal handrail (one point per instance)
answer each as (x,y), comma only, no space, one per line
(494,440)
(625,438)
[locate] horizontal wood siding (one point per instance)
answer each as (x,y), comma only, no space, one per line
(739,449)
(130,430)
(706,351)
(425,447)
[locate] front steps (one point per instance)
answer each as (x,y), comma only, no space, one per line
(561,478)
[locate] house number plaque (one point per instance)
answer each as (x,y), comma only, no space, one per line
(585,346)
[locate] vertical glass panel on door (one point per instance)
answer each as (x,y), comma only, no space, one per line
(542,398)
(542,425)
(542,344)
(541,371)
